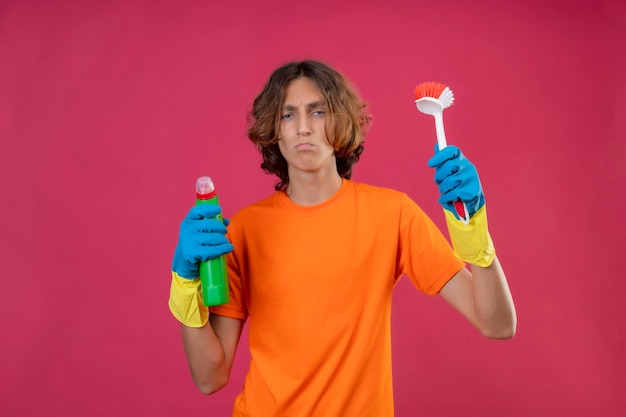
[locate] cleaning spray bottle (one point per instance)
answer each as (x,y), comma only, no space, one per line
(213,273)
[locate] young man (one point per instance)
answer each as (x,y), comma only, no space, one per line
(312,268)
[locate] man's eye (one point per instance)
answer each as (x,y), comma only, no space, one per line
(319,113)
(287,116)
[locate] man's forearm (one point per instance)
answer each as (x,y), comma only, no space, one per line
(493,301)
(206,358)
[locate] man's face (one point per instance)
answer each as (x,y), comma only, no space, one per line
(302,137)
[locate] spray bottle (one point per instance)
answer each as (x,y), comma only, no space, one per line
(213,273)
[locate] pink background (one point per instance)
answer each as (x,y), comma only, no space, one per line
(110,110)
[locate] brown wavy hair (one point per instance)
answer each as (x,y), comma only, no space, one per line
(346,124)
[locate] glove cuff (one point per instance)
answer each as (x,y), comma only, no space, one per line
(472,243)
(186,301)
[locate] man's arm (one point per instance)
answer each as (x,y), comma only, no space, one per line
(210,341)
(210,351)
(482,295)
(484,298)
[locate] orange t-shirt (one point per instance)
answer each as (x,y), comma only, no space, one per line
(316,284)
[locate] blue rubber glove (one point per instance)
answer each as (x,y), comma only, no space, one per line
(202,237)
(457,179)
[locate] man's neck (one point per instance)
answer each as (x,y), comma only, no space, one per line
(308,190)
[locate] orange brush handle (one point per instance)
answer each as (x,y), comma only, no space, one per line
(460,209)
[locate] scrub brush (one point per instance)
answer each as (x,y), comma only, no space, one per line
(432,98)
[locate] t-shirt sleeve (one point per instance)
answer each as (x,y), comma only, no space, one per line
(424,254)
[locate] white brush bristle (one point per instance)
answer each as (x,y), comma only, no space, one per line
(435,91)
(446,98)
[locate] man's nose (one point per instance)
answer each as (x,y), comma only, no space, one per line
(304,126)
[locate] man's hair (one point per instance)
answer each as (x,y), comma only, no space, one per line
(346,121)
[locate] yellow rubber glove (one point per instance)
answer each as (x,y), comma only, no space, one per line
(472,242)
(202,237)
(186,301)
(458,180)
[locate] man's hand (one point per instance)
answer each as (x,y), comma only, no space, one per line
(457,179)
(201,237)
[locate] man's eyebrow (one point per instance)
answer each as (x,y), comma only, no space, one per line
(291,107)
(320,103)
